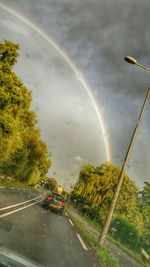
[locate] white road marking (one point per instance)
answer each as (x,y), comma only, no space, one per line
(71,222)
(18,204)
(82,243)
(11,212)
(66,214)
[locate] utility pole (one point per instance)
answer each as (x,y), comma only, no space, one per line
(127,157)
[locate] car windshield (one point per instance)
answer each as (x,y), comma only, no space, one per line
(57,197)
(74,133)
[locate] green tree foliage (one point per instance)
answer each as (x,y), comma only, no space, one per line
(9,52)
(93,194)
(24,155)
(96,188)
(51,184)
(65,194)
(144,206)
(144,202)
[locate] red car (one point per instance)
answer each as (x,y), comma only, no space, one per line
(54,201)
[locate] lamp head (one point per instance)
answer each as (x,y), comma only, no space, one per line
(130,60)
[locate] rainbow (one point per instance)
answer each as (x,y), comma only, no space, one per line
(72,65)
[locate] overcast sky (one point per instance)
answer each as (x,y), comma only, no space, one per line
(97,35)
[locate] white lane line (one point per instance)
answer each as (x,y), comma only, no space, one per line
(71,222)
(82,243)
(66,214)
(18,204)
(14,211)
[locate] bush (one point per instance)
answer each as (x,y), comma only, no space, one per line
(89,212)
(126,233)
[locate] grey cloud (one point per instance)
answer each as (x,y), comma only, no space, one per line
(97,35)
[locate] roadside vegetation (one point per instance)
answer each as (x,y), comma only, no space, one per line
(105,256)
(24,156)
(11,183)
(130,226)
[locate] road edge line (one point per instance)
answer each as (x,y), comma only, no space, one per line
(71,222)
(82,242)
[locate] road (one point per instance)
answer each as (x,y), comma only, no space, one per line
(43,236)
(124,259)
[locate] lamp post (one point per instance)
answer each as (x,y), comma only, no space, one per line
(126,159)
(133,61)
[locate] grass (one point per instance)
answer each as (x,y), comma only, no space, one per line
(105,256)
(130,252)
(13,183)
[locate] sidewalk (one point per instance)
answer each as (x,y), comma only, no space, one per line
(124,259)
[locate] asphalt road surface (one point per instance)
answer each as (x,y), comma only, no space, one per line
(40,235)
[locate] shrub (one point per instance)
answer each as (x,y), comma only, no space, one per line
(126,233)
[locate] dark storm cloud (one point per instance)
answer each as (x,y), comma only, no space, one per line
(97,35)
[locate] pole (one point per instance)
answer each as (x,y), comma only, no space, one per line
(121,176)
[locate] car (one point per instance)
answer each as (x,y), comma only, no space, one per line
(55,202)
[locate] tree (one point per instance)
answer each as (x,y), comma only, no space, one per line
(144,207)
(144,203)
(23,154)
(97,184)
(50,184)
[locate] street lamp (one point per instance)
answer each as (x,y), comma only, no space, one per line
(126,159)
(132,60)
